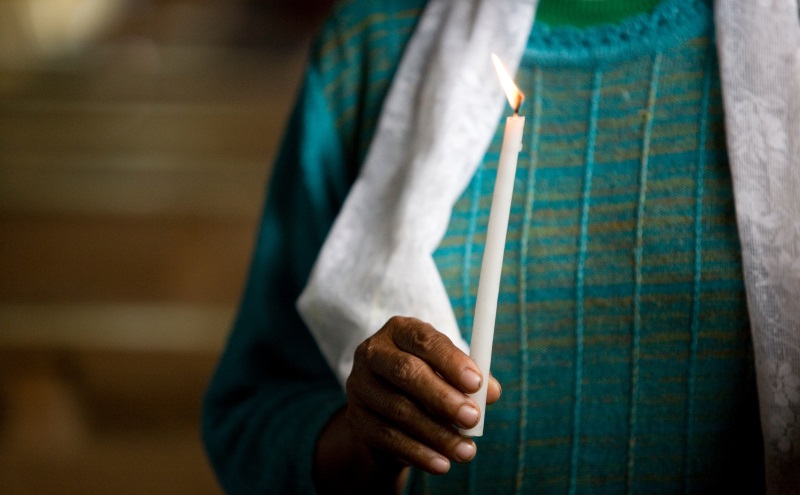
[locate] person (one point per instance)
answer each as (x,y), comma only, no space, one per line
(623,341)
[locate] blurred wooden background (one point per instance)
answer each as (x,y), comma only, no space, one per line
(135,144)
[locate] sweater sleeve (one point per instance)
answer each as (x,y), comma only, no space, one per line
(273,392)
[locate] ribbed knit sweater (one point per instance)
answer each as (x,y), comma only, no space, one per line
(622,333)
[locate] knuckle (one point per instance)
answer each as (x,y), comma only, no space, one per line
(401,325)
(444,396)
(395,322)
(365,352)
(406,371)
(403,411)
(361,352)
(384,436)
(450,360)
(446,440)
(424,340)
(398,444)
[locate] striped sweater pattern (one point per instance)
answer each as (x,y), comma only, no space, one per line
(622,340)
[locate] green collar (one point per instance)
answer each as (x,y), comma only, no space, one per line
(582,13)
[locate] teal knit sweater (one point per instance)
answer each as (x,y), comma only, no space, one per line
(622,334)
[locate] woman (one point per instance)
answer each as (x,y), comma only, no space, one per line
(623,341)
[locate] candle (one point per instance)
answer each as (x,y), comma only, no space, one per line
(492,264)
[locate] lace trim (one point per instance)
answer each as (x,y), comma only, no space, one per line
(672,22)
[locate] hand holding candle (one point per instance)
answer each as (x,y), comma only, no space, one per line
(491,267)
(408,386)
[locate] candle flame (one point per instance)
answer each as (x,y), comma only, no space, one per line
(514,95)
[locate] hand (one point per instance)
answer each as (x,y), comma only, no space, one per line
(406,396)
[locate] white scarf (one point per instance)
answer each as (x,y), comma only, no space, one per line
(436,124)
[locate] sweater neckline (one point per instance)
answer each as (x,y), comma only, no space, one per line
(582,13)
(670,23)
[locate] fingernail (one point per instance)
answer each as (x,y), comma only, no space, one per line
(499,387)
(465,451)
(440,465)
(467,416)
(471,380)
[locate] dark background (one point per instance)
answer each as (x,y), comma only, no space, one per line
(136,139)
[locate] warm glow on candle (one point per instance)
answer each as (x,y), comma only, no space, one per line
(483,321)
(514,95)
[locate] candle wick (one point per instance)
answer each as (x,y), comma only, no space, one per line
(520,99)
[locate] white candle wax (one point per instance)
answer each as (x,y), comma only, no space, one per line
(491,267)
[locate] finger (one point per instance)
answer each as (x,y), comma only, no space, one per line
(494,390)
(414,377)
(421,339)
(380,435)
(397,409)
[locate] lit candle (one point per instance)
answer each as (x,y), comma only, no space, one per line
(491,267)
